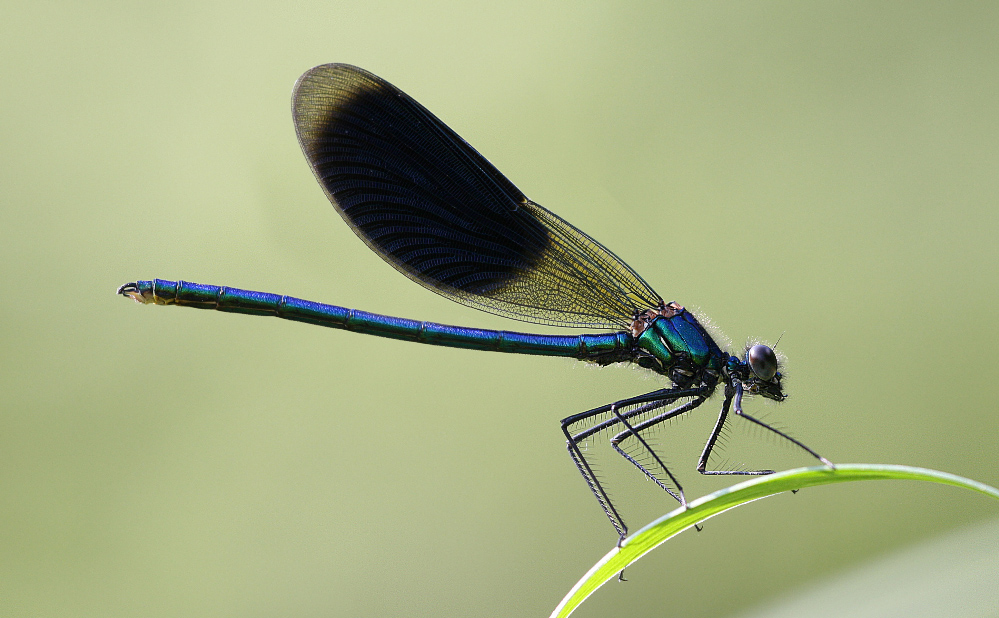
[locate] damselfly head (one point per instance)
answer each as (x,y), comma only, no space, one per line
(764,374)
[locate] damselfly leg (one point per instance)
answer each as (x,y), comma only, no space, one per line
(645,404)
(734,394)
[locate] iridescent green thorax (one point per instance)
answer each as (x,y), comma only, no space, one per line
(674,338)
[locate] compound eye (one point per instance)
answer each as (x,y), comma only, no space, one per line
(762,361)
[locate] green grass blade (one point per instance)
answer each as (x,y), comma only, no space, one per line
(671,524)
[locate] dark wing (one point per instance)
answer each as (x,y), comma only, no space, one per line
(439,212)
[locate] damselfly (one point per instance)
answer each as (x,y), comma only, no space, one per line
(441,214)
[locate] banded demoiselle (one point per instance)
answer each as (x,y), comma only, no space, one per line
(436,210)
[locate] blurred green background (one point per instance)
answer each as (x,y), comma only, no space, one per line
(822,170)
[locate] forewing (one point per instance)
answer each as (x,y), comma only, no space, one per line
(439,212)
